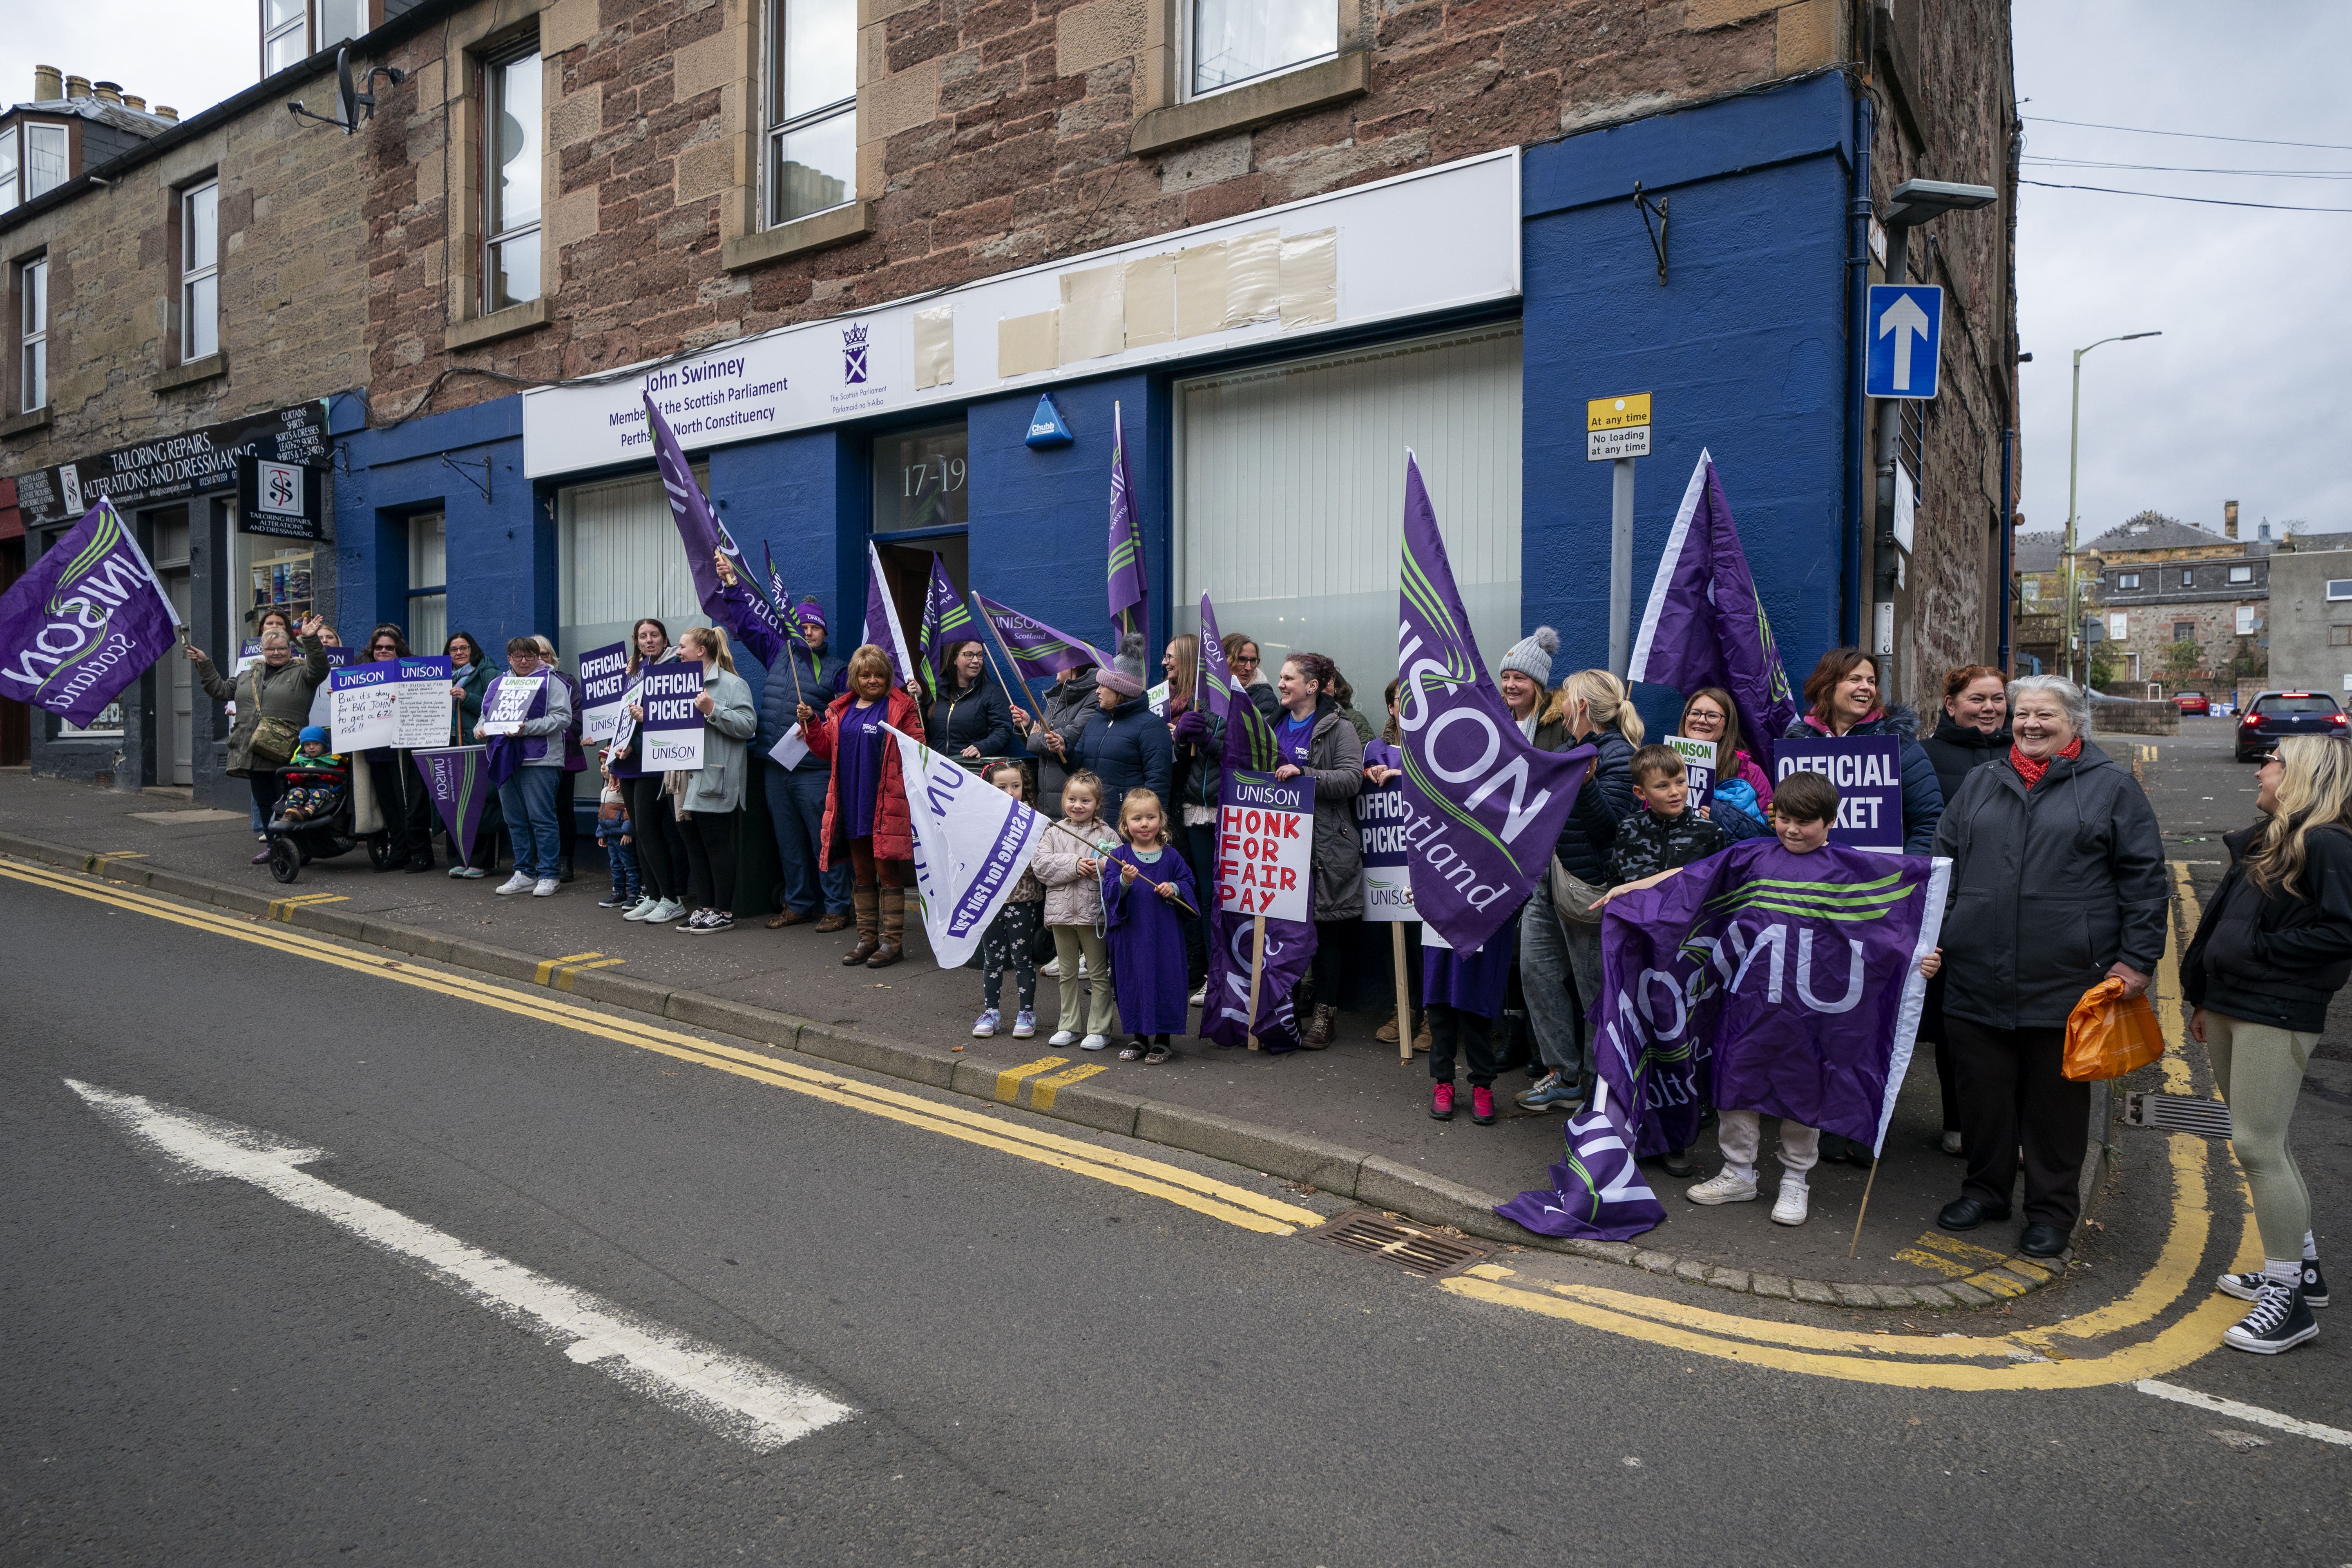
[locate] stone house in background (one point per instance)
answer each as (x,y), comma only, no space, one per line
(851,245)
(2164,583)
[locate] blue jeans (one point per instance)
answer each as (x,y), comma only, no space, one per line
(529,801)
(1560,975)
(796,807)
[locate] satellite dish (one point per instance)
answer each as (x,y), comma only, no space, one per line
(348,97)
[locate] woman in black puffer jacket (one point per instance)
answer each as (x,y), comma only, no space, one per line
(970,718)
(1973,731)
(2274,944)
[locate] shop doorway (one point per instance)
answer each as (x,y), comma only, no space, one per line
(16,719)
(906,570)
(169,530)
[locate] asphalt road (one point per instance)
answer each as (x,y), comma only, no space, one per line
(1042,1366)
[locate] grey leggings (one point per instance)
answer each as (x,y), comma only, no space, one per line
(2259,1067)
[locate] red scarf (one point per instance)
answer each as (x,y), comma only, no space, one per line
(2031,771)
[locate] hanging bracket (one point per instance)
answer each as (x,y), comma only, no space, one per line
(466,470)
(1647,206)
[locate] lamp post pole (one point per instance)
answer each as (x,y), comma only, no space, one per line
(2070,626)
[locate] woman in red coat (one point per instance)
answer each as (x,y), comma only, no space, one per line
(866,801)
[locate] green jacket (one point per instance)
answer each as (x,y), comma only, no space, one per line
(262,692)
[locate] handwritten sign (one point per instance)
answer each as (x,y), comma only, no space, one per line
(403,703)
(1265,846)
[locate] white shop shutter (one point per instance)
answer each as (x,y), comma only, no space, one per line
(618,559)
(1290,496)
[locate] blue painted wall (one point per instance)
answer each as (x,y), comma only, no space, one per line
(792,493)
(1741,349)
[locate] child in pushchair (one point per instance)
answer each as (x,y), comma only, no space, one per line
(317,783)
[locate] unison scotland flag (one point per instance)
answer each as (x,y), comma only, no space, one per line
(945,620)
(882,618)
(972,841)
(1127,595)
(1703,625)
(1214,678)
(750,618)
(1039,652)
(456,777)
(85,621)
(1485,805)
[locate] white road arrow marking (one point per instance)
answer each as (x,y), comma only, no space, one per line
(743,1400)
(1902,317)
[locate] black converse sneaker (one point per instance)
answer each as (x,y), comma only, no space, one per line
(2248,1287)
(2279,1321)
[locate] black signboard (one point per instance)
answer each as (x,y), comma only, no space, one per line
(282,500)
(173,467)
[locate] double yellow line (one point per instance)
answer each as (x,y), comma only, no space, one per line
(1153,1178)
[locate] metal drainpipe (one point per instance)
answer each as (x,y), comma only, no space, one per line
(1853,590)
(2007,536)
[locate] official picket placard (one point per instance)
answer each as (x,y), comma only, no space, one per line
(1698,761)
(1265,846)
(673,727)
(1868,772)
(510,698)
(403,703)
(1381,818)
(604,671)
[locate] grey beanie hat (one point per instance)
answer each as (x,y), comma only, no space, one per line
(1531,655)
(1125,675)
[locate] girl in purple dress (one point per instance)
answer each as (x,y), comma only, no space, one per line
(1148,889)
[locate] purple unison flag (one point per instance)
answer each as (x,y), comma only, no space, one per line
(1251,757)
(945,621)
(1216,678)
(747,614)
(85,621)
(882,618)
(1486,805)
(1703,625)
(457,779)
(1038,651)
(1128,610)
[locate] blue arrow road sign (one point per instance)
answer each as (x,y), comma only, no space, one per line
(1906,333)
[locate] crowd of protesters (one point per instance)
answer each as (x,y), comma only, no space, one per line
(2057,881)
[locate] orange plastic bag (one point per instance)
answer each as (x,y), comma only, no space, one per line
(2107,1036)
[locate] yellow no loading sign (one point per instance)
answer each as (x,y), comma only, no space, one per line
(1617,427)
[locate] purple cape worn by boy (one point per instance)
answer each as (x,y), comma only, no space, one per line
(1147,940)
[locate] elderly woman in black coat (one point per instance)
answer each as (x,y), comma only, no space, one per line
(2057,883)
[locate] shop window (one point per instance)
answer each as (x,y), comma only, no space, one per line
(1229,42)
(200,272)
(33,336)
(428,583)
(616,559)
(510,180)
(812,157)
(108,723)
(919,480)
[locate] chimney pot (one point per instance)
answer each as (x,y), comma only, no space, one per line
(107,91)
(133,101)
(49,84)
(77,87)
(2229,518)
(165,112)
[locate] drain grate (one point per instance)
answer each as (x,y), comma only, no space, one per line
(1415,1248)
(2178,1114)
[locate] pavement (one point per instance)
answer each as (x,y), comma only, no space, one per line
(1046,1343)
(1317,1117)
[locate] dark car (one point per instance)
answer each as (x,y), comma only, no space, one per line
(2191,703)
(2274,715)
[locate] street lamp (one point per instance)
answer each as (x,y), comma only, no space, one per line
(2071,619)
(1915,202)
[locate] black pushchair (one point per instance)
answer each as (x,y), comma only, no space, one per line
(355,820)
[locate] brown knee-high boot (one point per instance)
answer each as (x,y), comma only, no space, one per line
(894,930)
(863,900)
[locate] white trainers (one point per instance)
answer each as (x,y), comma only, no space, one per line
(1199,995)
(1951,1144)
(1094,1042)
(518,883)
(1062,1039)
(665,912)
(642,908)
(544,888)
(1053,969)
(1793,1204)
(1726,1187)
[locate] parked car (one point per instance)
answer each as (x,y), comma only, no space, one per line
(2191,703)
(2274,715)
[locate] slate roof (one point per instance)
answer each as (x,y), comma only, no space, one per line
(2036,552)
(2154,531)
(122,117)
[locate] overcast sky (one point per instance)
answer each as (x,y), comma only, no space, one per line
(2241,397)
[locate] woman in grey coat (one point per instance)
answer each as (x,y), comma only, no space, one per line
(1315,738)
(275,686)
(2057,883)
(707,800)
